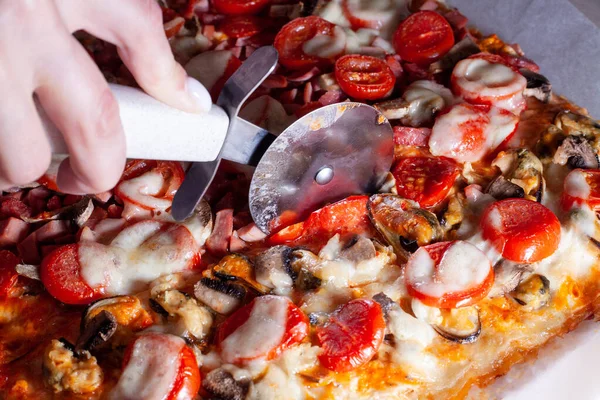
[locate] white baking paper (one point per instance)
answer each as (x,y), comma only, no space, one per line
(553,33)
(566,45)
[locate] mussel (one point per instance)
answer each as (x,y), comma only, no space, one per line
(221,384)
(304,263)
(402,223)
(522,168)
(236,266)
(127,311)
(461,325)
(533,293)
(507,276)
(68,370)
(193,319)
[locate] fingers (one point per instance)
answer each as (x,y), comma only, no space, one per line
(135,27)
(77,99)
(24,148)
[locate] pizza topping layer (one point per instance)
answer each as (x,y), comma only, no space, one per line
(479,244)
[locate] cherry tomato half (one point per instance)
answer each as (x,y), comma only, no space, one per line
(239,7)
(423,37)
(426,180)
(242,26)
(364,77)
(449,274)
(352,335)
(291,38)
(581,187)
(60,274)
(521,230)
(244,348)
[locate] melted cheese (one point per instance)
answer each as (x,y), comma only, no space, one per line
(142,189)
(326,46)
(467,134)
(463,266)
(151,372)
(261,333)
(140,254)
(577,185)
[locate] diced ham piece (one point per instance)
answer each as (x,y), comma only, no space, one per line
(429,5)
(53,230)
(251,233)
(394,64)
(12,231)
(332,97)
(416,72)
(71,199)
(12,207)
(225,202)
(288,96)
(104,231)
(303,76)
(115,211)
(222,231)
(456,20)
(307,92)
(36,199)
(407,136)
(275,81)
(211,19)
(241,219)
(28,249)
(236,244)
(54,203)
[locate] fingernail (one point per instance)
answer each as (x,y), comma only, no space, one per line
(199,94)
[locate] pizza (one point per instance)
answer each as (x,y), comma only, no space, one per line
(480,247)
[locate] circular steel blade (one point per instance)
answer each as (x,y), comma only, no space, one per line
(330,153)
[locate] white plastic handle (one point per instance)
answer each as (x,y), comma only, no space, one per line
(156,131)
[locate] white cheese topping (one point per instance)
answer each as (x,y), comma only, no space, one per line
(463,266)
(138,255)
(326,46)
(142,189)
(152,369)
(261,333)
(576,185)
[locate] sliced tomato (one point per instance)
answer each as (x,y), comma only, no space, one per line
(352,335)
(364,77)
(141,188)
(426,180)
(467,133)
(60,274)
(449,274)
(521,230)
(239,7)
(242,26)
(262,314)
(345,217)
(486,79)
(187,379)
(581,187)
(291,38)
(423,37)
(8,274)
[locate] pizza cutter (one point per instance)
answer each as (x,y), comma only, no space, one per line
(331,153)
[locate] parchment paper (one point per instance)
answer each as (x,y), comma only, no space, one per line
(553,33)
(566,45)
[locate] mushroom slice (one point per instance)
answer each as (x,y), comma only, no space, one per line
(538,85)
(223,297)
(533,293)
(304,263)
(97,331)
(576,152)
(507,275)
(193,319)
(358,249)
(501,189)
(402,223)
(28,271)
(318,318)
(385,302)
(235,266)
(220,383)
(461,50)
(394,109)
(461,325)
(523,168)
(78,212)
(273,269)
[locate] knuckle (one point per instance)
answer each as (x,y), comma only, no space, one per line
(106,123)
(148,11)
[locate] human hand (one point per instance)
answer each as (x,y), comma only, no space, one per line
(39,55)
